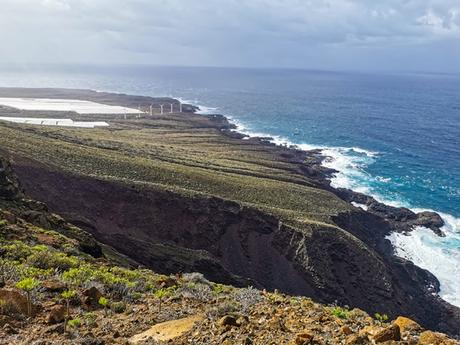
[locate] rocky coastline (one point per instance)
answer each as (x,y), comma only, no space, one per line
(342,256)
(402,219)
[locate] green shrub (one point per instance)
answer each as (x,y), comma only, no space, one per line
(53,259)
(341,313)
(10,271)
(28,285)
(35,272)
(118,307)
(78,276)
(135,296)
(163,293)
(220,289)
(129,275)
(16,250)
(222,309)
(104,302)
(381,317)
(74,323)
(68,295)
(90,319)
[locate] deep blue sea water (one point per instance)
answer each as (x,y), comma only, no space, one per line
(394,136)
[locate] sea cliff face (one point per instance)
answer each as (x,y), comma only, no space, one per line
(181,194)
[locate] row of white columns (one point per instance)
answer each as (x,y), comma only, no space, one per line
(161,109)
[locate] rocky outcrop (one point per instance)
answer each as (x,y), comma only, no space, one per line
(15,302)
(400,219)
(9,185)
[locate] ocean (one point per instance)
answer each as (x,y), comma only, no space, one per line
(393,136)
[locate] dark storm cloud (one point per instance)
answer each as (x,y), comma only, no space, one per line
(292,33)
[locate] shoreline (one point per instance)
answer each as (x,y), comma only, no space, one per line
(407,220)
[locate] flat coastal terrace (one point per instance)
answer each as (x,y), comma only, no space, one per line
(182,192)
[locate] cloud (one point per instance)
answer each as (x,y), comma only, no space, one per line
(291,33)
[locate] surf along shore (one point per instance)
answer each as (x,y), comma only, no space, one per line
(184,192)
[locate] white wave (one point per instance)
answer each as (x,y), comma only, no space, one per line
(203,110)
(439,255)
(383,179)
(357,204)
(206,110)
(239,126)
(362,151)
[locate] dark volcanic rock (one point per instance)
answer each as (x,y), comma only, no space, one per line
(401,219)
(9,185)
(430,220)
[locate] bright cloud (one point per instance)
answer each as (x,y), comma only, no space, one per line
(291,33)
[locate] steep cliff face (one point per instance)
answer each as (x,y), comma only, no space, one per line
(36,212)
(179,319)
(235,244)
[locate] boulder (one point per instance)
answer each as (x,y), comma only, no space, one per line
(228,320)
(371,330)
(433,338)
(357,339)
(390,333)
(346,330)
(56,314)
(166,331)
(406,325)
(15,301)
(91,297)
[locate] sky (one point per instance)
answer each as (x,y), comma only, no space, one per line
(399,35)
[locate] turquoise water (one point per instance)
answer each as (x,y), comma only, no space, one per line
(396,137)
